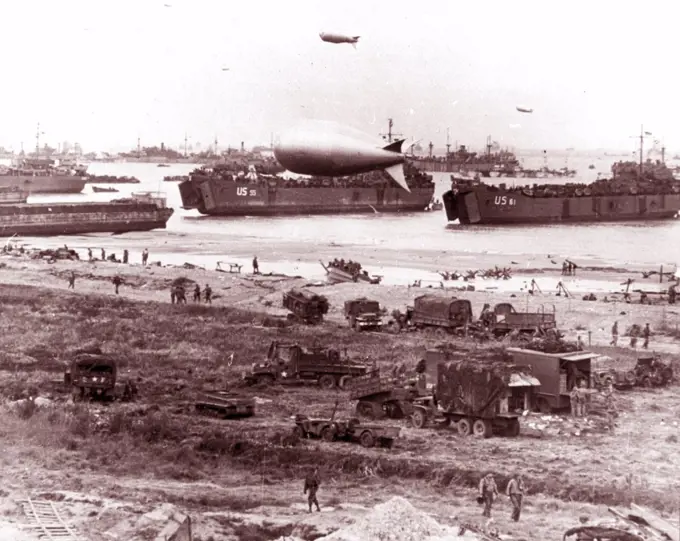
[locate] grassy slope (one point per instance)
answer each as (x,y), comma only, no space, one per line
(174,350)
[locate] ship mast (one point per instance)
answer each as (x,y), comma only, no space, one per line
(389,133)
(37,141)
(642,138)
(448,143)
(185,144)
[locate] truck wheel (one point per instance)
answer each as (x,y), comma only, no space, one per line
(365,409)
(327,382)
(367,439)
(481,428)
(298,432)
(419,418)
(342,384)
(328,433)
(464,427)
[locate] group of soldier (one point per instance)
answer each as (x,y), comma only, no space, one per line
(634,335)
(112,257)
(568,268)
(350,266)
(178,294)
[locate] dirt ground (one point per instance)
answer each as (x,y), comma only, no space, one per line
(239,479)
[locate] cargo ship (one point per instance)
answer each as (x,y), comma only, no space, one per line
(139,212)
(40,175)
(219,191)
(641,192)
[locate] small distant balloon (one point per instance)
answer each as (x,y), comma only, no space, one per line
(225,69)
(524,109)
(339,38)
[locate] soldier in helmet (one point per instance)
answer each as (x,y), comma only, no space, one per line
(488,492)
(312,485)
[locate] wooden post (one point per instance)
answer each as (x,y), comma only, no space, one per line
(590,335)
(661,275)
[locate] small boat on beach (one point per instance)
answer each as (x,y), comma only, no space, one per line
(97,189)
(340,272)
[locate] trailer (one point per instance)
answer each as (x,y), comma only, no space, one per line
(483,397)
(225,404)
(291,363)
(558,373)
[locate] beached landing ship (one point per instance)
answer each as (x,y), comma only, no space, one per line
(223,191)
(140,212)
(635,192)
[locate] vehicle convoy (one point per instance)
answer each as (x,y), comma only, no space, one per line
(225,404)
(222,191)
(305,306)
(505,319)
(644,191)
(346,430)
(482,396)
(291,363)
(363,313)
(95,376)
(441,314)
(558,373)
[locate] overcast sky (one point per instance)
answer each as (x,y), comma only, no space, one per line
(105,73)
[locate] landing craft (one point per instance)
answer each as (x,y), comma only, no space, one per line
(524,110)
(327,149)
(339,38)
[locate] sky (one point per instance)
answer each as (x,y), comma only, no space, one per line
(105,73)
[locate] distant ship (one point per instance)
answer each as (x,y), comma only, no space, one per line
(635,192)
(494,160)
(221,190)
(41,175)
(139,212)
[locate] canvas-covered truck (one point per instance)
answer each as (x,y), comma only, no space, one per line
(443,314)
(291,363)
(558,374)
(504,319)
(305,306)
(482,396)
(363,314)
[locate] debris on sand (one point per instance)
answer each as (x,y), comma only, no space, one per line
(396,520)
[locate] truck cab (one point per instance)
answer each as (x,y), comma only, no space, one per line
(363,313)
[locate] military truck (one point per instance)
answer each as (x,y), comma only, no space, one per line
(442,314)
(558,374)
(305,306)
(363,313)
(96,376)
(382,396)
(291,363)
(505,319)
(483,397)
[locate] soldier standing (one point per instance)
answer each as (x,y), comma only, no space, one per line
(312,485)
(197,293)
(515,491)
(145,256)
(615,334)
(125,256)
(645,334)
(116,282)
(256,266)
(575,401)
(208,294)
(579,344)
(103,255)
(89,254)
(72,280)
(488,491)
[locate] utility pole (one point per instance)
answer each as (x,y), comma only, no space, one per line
(389,133)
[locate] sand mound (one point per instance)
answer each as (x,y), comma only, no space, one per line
(395,520)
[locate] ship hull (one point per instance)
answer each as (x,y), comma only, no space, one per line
(220,198)
(80,218)
(488,207)
(44,184)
